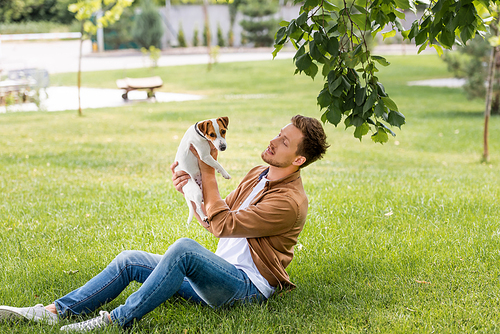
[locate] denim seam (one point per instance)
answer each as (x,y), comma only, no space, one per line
(108,284)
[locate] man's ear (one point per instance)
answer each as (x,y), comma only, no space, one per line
(299,161)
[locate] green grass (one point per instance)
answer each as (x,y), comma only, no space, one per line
(383,219)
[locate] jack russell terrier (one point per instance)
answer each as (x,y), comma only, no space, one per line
(200,136)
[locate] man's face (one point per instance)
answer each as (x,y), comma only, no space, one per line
(282,150)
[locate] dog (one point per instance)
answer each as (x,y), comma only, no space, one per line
(200,136)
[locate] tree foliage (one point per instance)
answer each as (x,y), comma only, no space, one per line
(332,41)
(148,28)
(259,25)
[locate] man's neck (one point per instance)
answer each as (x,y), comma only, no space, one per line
(276,173)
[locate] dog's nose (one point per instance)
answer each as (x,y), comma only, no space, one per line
(222,147)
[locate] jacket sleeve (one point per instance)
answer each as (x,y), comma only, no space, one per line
(273,215)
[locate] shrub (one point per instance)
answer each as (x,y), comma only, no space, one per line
(220,37)
(148,28)
(260,26)
(180,37)
(196,39)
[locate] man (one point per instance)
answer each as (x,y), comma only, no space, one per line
(257,225)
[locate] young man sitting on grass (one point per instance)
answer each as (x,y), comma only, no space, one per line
(257,225)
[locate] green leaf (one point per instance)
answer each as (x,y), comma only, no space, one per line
(357,121)
(299,52)
(379,109)
(334,84)
(284,24)
(277,49)
(311,70)
(381,60)
(360,95)
(310,4)
(389,34)
(302,19)
(361,131)
(413,30)
(333,46)
(329,6)
(303,62)
(380,136)
(361,21)
(403,4)
(315,52)
(396,118)
(324,98)
(447,38)
(438,49)
(280,34)
(421,36)
(389,103)
(370,101)
(381,89)
(333,115)
(350,59)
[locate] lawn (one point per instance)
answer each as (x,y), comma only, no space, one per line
(400,238)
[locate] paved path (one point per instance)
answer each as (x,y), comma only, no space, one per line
(62,56)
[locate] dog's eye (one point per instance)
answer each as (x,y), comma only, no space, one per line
(223,132)
(212,135)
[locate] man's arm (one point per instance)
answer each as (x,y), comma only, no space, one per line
(210,187)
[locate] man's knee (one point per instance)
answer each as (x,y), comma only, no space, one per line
(182,245)
(124,258)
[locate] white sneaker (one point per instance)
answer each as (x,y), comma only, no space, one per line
(86,326)
(36,313)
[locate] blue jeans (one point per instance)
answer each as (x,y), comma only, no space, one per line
(186,269)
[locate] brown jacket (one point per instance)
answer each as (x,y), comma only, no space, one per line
(271,223)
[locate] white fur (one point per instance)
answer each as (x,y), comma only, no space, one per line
(189,163)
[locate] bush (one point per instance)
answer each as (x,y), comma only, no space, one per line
(220,37)
(119,35)
(148,28)
(260,26)
(180,37)
(196,39)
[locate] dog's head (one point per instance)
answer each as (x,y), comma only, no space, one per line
(214,130)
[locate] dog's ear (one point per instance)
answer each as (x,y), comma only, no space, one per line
(203,127)
(224,121)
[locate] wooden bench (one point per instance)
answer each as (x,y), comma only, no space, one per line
(129,84)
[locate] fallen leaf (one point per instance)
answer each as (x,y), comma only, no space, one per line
(423,282)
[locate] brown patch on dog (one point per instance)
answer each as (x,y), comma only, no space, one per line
(223,122)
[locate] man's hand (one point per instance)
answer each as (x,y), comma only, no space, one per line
(179,178)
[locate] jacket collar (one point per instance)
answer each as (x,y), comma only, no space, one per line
(286,179)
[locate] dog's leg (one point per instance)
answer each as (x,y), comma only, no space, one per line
(209,160)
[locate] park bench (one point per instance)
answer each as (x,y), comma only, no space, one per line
(21,83)
(130,84)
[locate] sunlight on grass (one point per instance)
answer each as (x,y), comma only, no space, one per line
(400,238)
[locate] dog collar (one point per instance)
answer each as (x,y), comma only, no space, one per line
(197,130)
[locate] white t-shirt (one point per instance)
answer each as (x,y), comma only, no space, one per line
(237,252)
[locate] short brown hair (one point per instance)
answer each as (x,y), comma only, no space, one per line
(313,145)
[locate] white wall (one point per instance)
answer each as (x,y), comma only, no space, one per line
(191,16)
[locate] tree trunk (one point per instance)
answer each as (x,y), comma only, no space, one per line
(80,73)
(489,95)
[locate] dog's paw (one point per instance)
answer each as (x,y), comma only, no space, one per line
(226,176)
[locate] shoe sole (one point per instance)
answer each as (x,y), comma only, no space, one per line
(9,315)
